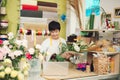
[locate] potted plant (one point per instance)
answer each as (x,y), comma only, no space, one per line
(3,6)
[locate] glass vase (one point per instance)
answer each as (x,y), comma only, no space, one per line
(35,70)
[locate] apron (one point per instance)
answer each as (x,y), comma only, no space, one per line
(53,49)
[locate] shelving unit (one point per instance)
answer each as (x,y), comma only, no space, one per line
(3,30)
(98,30)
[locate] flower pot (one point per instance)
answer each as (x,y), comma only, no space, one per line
(4,24)
(3,10)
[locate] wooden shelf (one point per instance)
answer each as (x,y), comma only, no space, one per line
(97,30)
(107,53)
(3,14)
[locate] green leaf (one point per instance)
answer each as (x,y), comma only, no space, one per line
(59,58)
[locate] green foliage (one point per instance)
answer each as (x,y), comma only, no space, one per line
(4,3)
(59,58)
(63,48)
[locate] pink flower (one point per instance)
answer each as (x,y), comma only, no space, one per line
(28,55)
(1,42)
(1,56)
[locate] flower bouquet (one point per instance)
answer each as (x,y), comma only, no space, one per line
(12,53)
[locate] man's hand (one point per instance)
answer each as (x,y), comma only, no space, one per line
(67,54)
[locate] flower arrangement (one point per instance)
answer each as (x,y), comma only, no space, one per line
(13,63)
(33,52)
(77,47)
(75,50)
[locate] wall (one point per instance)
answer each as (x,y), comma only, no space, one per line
(13,14)
(109,6)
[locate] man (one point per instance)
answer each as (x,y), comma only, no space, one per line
(52,44)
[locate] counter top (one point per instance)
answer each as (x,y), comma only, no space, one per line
(73,73)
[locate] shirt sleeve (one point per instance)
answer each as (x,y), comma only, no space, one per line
(44,46)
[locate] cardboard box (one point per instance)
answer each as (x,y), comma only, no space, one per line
(55,68)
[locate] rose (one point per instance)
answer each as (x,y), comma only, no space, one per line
(14,73)
(26,66)
(3,51)
(5,43)
(2,74)
(1,42)
(7,61)
(1,56)
(20,76)
(28,55)
(25,73)
(8,70)
(1,68)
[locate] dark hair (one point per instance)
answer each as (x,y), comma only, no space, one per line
(53,25)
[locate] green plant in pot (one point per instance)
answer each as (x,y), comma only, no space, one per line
(3,6)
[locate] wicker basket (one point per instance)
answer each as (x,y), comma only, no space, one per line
(100,64)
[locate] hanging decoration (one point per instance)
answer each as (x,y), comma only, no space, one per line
(92,6)
(63,17)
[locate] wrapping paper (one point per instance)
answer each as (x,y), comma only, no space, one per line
(48,14)
(29,2)
(29,7)
(49,4)
(92,16)
(28,13)
(33,20)
(45,8)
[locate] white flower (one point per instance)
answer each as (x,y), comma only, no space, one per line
(76,47)
(11,55)
(20,76)
(10,35)
(26,66)
(10,46)
(8,70)
(24,43)
(18,53)
(18,42)
(5,43)
(14,73)
(38,46)
(31,51)
(1,67)
(7,61)
(2,74)
(7,50)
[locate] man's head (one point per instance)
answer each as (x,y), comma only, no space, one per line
(53,25)
(54,28)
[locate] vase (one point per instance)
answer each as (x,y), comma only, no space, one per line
(35,70)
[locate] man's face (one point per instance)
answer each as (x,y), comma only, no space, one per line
(55,34)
